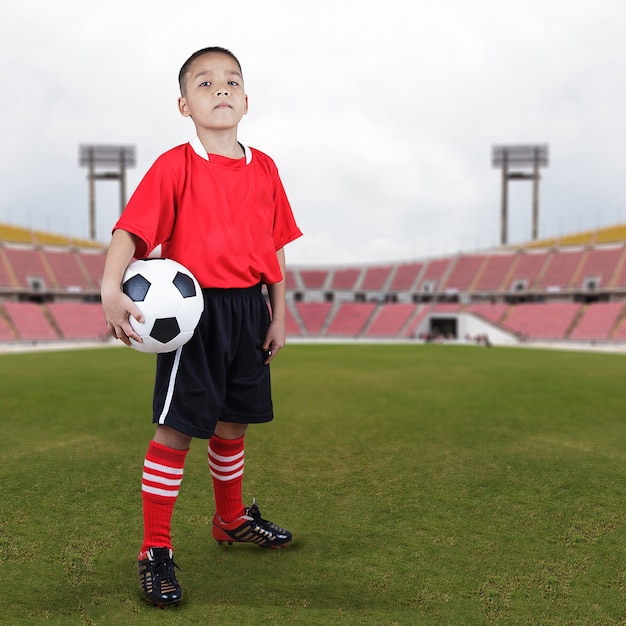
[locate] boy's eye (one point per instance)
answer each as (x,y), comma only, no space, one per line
(233,82)
(205,83)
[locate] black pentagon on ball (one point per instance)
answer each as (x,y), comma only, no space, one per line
(184,283)
(165,329)
(136,288)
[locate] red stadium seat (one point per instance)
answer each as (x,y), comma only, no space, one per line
(350,319)
(313,315)
(30,321)
(464,272)
(345,279)
(597,322)
(549,321)
(78,320)
(68,273)
(390,319)
(28,266)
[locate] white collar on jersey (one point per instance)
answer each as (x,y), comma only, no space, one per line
(200,150)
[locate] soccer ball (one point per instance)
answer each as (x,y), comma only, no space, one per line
(170,299)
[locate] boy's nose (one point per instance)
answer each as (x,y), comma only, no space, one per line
(222,91)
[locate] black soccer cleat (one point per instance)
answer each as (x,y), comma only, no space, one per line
(158,578)
(250,528)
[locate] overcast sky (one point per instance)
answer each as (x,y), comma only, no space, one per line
(380,115)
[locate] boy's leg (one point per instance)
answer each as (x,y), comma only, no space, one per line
(226,462)
(162,476)
(232,521)
(247,399)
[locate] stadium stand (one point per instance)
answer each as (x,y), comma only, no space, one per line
(30,321)
(525,272)
(6,334)
(350,319)
(411,331)
(446,307)
(597,321)
(7,277)
(29,268)
(406,276)
(292,326)
(78,321)
(619,334)
(619,280)
(346,279)
(550,320)
(494,273)
(389,320)
(463,273)
(434,274)
(67,271)
(570,288)
(492,312)
(314,279)
(93,263)
(597,268)
(375,278)
(559,271)
(290,280)
(313,316)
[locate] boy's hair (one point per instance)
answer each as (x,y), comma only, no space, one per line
(182,75)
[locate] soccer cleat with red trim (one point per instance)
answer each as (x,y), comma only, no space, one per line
(155,568)
(250,528)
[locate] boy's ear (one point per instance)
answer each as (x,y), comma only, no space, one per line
(183,108)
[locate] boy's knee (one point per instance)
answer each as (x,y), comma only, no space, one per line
(230,430)
(171,438)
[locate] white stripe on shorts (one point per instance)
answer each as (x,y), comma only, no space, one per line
(170,386)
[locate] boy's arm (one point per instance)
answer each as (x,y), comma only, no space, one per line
(276,333)
(116,304)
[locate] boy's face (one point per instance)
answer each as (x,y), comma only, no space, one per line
(214,95)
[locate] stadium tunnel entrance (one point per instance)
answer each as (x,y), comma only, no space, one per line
(446,327)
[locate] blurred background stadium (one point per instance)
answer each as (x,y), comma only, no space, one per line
(566,291)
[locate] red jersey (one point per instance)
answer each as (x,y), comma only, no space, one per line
(223,219)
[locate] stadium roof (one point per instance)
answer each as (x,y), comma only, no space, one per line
(20,235)
(600,236)
(609,235)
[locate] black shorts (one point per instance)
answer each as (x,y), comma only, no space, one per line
(219,374)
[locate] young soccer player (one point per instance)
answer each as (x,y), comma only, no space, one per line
(219,208)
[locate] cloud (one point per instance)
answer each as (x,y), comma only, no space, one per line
(380,117)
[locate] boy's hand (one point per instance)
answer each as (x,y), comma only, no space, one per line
(274,340)
(118,308)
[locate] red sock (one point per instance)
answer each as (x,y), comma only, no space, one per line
(162,475)
(226,461)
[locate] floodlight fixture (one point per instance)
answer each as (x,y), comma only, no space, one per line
(530,157)
(98,156)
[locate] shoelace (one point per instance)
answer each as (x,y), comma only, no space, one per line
(254,513)
(164,567)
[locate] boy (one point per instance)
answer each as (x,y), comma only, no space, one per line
(219,208)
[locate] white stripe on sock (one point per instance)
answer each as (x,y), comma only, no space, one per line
(226,459)
(166,469)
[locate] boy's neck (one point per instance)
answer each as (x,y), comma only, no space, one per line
(225,145)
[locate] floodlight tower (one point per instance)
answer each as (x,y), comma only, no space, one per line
(94,157)
(533,156)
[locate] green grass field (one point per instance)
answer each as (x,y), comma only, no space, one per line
(423,484)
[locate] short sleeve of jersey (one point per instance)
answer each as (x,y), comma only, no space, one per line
(285,227)
(150,213)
